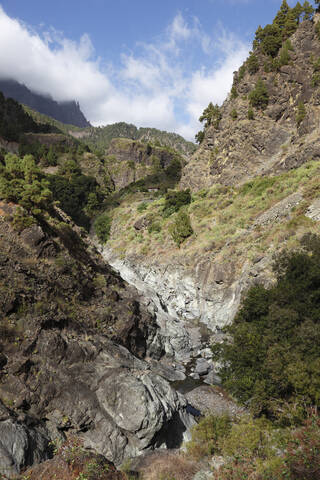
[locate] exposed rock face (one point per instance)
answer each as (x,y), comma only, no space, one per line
(21,445)
(210,293)
(129,161)
(313,211)
(273,142)
(67,326)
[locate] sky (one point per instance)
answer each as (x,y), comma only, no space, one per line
(147,62)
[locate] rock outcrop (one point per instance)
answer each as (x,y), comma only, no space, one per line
(129,161)
(73,339)
(210,293)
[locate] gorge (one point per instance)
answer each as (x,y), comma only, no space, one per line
(158,298)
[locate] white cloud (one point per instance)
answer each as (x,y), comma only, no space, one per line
(161,86)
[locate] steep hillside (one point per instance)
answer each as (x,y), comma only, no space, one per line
(65,112)
(268,132)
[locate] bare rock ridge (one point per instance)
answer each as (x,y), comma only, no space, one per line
(65,112)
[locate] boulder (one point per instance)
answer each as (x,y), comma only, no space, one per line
(202,366)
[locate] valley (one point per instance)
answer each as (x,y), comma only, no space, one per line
(160,300)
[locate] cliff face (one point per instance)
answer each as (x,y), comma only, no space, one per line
(274,141)
(129,161)
(65,112)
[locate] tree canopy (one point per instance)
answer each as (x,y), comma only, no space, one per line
(272,354)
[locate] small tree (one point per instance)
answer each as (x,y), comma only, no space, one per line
(199,136)
(252,64)
(181,227)
(259,96)
(22,182)
(102,227)
(211,115)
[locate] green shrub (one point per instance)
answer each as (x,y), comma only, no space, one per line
(302,457)
(173,171)
(284,57)
(252,64)
(207,436)
(250,114)
(142,207)
(102,227)
(22,220)
(234,114)
(249,437)
(242,72)
(315,82)
(199,137)
(234,92)
(274,356)
(181,227)
(174,200)
(22,182)
(259,96)
(155,227)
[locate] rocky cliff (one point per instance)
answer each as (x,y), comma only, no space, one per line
(129,161)
(274,139)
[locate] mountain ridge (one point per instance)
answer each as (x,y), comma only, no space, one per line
(66,112)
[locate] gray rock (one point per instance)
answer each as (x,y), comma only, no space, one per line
(212,378)
(202,366)
(313,211)
(206,353)
(21,446)
(203,475)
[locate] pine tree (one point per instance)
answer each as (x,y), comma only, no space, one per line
(307,10)
(252,64)
(199,137)
(297,10)
(291,25)
(280,18)
(259,96)
(211,115)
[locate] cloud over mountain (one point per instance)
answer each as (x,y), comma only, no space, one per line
(165,84)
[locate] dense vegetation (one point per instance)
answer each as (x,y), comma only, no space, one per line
(14,120)
(73,193)
(22,182)
(270,38)
(271,358)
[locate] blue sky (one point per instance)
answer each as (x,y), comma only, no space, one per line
(147,62)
